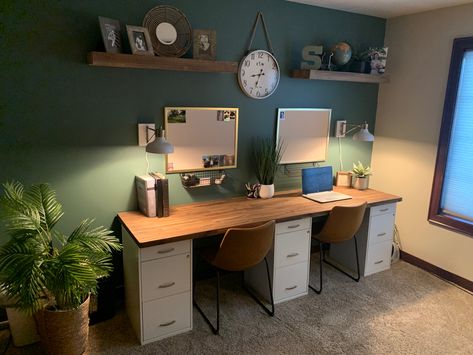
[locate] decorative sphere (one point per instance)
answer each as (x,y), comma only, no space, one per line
(341,53)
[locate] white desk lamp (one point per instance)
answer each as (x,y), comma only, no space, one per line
(362,135)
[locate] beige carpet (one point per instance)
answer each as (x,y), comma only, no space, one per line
(401,311)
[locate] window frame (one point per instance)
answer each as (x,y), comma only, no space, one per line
(436,215)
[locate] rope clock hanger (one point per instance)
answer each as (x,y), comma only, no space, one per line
(258,72)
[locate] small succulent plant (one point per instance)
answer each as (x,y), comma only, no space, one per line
(361,171)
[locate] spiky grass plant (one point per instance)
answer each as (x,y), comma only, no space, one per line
(361,171)
(40,266)
(266,158)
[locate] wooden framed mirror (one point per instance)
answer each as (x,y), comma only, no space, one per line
(204,138)
(304,133)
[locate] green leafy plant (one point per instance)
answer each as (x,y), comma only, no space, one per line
(360,171)
(41,267)
(266,158)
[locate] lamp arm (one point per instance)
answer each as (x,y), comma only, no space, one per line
(355,126)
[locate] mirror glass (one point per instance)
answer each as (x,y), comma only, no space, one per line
(166,33)
(305,134)
(204,138)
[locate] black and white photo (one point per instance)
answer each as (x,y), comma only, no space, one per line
(140,41)
(111,34)
(205,44)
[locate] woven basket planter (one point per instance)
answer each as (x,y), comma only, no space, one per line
(64,332)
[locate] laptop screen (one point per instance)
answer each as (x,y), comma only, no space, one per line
(317,179)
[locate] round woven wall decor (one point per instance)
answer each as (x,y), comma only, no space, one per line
(169,29)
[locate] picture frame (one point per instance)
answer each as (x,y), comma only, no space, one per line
(140,41)
(111,34)
(204,44)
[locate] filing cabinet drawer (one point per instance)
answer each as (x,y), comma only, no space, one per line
(291,248)
(290,281)
(165,250)
(166,315)
(291,226)
(165,276)
(381,228)
(382,209)
(378,258)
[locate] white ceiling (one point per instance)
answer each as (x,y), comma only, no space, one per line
(384,8)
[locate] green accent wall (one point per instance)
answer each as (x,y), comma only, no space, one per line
(74,126)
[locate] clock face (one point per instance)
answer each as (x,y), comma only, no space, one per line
(258,74)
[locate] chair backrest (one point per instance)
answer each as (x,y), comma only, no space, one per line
(242,248)
(342,224)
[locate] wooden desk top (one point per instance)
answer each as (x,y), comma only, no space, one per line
(203,219)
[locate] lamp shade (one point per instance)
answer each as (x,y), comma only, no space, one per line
(363,134)
(160,145)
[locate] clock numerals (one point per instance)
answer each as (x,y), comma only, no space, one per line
(259,74)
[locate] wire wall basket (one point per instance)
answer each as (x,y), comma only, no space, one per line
(202,178)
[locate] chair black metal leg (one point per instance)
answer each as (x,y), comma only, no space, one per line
(266,309)
(357,278)
(215,330)
(322,257)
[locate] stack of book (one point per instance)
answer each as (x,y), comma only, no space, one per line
(153,194)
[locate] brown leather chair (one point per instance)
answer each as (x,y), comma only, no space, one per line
(240,249)
(342,224)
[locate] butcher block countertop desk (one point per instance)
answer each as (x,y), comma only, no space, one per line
(203,219)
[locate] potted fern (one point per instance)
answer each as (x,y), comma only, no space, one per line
(361,176)
(266,158)
(47,273)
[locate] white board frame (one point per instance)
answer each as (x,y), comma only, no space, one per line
(293,155)
(209,132)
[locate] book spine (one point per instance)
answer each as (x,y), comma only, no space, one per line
(159,197)
(165,197)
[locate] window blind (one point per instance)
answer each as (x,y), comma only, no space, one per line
(457,190)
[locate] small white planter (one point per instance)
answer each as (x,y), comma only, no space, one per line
(361,183)
(266,191)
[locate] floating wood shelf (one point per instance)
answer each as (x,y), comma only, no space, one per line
(102,59)
(339,76)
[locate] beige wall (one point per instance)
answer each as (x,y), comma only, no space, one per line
(408,125)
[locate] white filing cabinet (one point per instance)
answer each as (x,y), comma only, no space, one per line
(374,242)
(288,263)
(158,288)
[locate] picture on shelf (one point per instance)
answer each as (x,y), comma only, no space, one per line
(378,60)
(140,42)
(205,44)
(111,34)
(176,116)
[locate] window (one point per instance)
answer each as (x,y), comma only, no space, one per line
(451,203)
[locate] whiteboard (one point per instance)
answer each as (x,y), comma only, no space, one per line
(204,138)
(304,132)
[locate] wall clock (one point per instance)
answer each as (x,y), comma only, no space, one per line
(258,72)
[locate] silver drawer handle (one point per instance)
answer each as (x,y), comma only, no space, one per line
(378,262)
(381,234)
(384,210)
(291,288)
(292,255)
(167,284)
(165,251)
(167,324)
(293,226)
